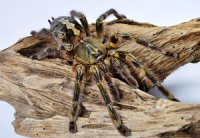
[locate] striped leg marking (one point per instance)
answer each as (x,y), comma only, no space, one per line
(83,20)
(115,117)
(130,57)
(76,104)
(99,21)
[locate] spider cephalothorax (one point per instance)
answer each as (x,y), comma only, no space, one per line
(95,56)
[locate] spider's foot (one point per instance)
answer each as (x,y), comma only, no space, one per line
(125,131)
(72,127)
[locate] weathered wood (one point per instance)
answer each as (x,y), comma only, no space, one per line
(41,91)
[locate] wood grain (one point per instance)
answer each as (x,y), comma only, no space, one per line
(41,91)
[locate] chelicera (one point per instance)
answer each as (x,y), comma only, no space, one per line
(97,56)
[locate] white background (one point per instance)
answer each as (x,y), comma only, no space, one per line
(19,17)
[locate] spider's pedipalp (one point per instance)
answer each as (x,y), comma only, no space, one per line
(76,103)
(115,117)
(145,74)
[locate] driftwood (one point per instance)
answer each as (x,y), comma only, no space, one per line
(41,91)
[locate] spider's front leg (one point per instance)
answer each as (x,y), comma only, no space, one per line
(115,117)
(76,103)
(83,20)
(99,22)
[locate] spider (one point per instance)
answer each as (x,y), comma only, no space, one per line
(96,56)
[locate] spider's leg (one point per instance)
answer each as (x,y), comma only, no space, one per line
(114,39)
(113,89)
(83,20)
(166,92)
(116,36)
(124,73)
(101,18)
(130,57)
(115,117)
(147,43)
(143,80)
(50,52)
(42,32)
(76,104)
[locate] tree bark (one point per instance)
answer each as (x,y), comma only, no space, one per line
(41,91)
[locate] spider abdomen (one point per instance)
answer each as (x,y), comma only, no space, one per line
(90,51)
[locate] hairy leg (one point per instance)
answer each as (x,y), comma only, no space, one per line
(113,89)
(114,39)
(50,52)
(125,56)
(99,21)
(115,117)
(124,73)
(76,103)
(83,20)
(54,52)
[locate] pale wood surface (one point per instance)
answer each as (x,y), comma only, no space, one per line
(41,91)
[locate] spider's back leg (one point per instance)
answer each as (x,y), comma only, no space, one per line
(124,73)
(125,56)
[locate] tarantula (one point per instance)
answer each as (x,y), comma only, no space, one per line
(96,56)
